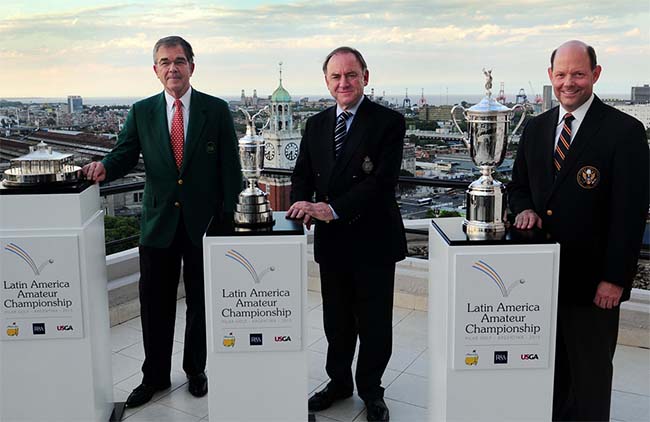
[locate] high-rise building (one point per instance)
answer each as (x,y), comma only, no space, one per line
(641,94)
(75,104)
(547,97)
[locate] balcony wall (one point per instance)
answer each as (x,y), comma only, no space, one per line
(411,290)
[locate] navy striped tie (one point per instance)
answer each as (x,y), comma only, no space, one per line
(340,131)
(563,143)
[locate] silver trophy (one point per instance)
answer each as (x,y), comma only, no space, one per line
(487,139)
(253,210)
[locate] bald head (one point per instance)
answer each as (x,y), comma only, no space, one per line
(573,73)
(577,46)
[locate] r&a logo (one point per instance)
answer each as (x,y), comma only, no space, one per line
(501,357)
(38,328)
(256,339)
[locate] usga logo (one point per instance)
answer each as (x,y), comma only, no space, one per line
(282,339)
(529,356)
(64,328)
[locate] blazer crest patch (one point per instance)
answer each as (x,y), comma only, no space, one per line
(210,147)
(588,177)
(367,165)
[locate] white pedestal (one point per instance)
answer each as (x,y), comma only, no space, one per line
(492,316)
(55,353)
(256,296)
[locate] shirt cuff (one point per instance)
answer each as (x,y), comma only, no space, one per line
(336,216)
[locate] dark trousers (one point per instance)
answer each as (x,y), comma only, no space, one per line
(585,345)
(358,301)
(159,276)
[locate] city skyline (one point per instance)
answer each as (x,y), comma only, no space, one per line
(103,48)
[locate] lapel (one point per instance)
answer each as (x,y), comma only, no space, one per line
(547,145)
(194,128)
(355,135)
(161,139)
(586,133)
(325,146)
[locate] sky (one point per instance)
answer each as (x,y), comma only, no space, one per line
(104,48)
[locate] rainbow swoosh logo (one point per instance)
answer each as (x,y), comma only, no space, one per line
(22,254)
(494,276)
(244,262)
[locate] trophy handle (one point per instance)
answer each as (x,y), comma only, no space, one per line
(521,120)
(453,118)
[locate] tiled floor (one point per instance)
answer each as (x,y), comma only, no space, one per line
(405,379)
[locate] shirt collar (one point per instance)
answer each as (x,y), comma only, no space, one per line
(185,99)
(352,110)
(579,113)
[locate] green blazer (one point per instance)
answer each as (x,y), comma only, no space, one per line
(207,183)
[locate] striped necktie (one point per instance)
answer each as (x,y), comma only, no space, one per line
(340,131)
(563,143)
(178,133)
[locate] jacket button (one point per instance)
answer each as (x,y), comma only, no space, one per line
(180,181)
(177,204)
(549,212)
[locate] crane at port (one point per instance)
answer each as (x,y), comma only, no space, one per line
(538,98)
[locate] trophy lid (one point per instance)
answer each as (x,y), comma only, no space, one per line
(41,166)
(488,105)
(42,151)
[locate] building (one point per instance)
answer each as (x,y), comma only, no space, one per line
(435,113)
(75,104)
(641,94)
(408,158)
(282,143)
(639,111)
(547,98)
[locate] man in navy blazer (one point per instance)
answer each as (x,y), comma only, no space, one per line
(344,180)
(581,174)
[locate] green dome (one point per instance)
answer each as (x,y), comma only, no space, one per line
(280,95)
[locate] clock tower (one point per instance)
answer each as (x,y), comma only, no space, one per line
(282,143)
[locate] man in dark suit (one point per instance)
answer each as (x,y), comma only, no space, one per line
(189,147)
(350,158)
(581,173)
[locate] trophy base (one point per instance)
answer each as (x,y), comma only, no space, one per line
(479,230)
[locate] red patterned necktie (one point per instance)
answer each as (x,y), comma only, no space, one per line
(563,143)
(178,133)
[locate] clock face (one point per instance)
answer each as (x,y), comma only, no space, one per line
(269,151)
(291,151)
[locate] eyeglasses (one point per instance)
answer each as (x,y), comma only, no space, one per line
(164,63)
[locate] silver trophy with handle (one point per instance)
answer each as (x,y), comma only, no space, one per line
(253,210)
(487,140)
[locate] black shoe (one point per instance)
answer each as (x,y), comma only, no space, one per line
(142,394)
(376,410)
(325,398)
(198,385)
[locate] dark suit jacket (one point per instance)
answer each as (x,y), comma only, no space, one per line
(369,228)
(208,181)
(599,226)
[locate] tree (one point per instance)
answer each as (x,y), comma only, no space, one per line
(118,228)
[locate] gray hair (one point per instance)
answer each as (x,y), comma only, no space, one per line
(344,50)
(173,41)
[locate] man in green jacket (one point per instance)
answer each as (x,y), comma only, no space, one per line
(188,144)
